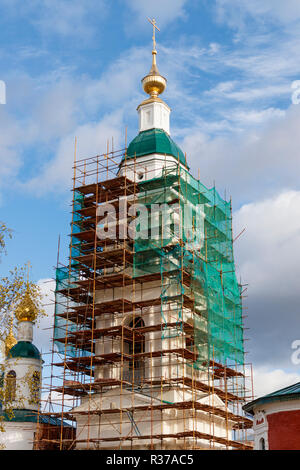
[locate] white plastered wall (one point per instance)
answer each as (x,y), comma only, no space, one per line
(146,423)
(154,115)
(148,167)
(24,369)
(154,341)
(17,436)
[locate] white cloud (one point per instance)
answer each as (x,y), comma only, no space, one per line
(270,380)
(91,140)
(164,11)
(244,117)
(68,18)
(63,107)
(61,17)
(56,112)
(284,12)
(252,164)
(258,85)
(11,134)
(58,108)
(57,400)
(120,83)
(268,259)
(51,113)
(244,92)
(268,254)
(43,330)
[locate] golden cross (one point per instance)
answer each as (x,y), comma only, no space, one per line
(153,22)
(28,271)
(11,322)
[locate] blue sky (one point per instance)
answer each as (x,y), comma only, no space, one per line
(74,68)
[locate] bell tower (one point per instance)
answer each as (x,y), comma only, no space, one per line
(23,363)
(148,313)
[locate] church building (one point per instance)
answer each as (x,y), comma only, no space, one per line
(21,382)
(21,422)
(276,419)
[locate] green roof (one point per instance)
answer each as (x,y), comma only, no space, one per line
(24,349)
(30,416)
(288,393)
(154,141)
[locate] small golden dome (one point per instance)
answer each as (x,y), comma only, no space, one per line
(26,310)
(10,340)
(154,84)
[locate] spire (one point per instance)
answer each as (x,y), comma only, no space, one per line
(154,69)
(10,340)
(154,84)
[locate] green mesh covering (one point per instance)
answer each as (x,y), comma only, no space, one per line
(66,279)
(197,246)
(62,325)
(193,257)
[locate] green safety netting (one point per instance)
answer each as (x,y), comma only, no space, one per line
(197,241)
(66,278)
(191,233)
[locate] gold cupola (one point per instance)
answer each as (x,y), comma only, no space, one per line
(154,84)
(26,310)
(10,340)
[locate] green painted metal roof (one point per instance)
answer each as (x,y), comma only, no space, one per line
(288,393)
(30,416)
(154,141)
(24,349)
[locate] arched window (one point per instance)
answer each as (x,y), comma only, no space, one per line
(189,336)
(191,330)
(134,346)
(262,444)
(35,387)
(10,386)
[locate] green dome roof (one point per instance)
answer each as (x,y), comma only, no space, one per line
(154,141)
(24,349)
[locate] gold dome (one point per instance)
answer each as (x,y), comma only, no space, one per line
(10,340)
(154,84)
(26,310)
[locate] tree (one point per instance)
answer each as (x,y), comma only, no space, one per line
(4,233)
(13,288)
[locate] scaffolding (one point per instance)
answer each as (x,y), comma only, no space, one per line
(148,343)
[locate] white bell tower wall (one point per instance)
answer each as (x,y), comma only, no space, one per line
(154,115)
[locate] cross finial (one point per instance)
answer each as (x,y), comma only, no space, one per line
(153,22)
(11,321)
(28,271)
